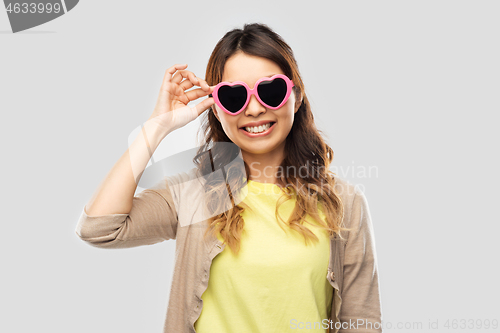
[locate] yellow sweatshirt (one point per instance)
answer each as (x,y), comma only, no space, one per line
(276,283)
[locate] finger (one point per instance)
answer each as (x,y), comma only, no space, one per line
(186,84)
(195,94)
(186,75)
(181,96)
(180,75)
(204,105)
(169,72)
(203,84)
(175,92)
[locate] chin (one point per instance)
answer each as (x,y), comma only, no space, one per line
(262,149)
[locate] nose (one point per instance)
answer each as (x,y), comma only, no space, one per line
(254,108)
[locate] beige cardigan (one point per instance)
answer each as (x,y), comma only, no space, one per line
(166,212)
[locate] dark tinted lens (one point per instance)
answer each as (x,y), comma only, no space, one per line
(272,92)
(232,97)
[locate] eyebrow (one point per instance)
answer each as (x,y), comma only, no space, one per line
(270,75)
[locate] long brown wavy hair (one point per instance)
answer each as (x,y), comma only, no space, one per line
(304,148)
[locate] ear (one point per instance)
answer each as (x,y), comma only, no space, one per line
(298,101)
(214,110)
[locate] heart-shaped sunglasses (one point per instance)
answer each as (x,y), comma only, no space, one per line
(272,92)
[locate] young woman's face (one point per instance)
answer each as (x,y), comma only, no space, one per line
(249,69)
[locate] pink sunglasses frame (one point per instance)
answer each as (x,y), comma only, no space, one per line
(250,92)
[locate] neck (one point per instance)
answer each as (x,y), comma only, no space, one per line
(264,168)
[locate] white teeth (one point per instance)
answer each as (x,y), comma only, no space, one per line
(258,129)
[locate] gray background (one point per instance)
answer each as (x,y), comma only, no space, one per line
(410,87)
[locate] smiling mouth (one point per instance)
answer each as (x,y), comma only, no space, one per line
(258,129)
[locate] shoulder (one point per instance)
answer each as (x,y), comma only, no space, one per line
(353,199)
(346,190)
(179,180)
(181,186)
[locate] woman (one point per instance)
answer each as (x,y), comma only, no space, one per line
(300,248)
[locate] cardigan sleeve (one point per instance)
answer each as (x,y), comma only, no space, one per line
(361,304)
(152,219)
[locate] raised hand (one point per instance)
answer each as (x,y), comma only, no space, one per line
(172,111)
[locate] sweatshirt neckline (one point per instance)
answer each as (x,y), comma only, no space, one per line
(264,187)
(259,184)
